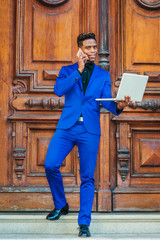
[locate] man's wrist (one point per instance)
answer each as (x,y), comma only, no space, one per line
(119,108)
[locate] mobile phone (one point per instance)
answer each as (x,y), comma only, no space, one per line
(79,51)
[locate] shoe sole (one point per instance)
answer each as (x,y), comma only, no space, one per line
(54,219)
(84,236)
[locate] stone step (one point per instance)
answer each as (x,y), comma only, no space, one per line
(103,226)
(75,237)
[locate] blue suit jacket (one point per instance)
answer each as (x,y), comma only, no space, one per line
(69,83)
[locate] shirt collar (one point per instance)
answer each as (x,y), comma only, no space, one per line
(89,65)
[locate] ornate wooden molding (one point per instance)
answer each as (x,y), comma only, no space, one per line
(103,35)
(146,105)
(52,3)
(19,156)
(123,160)
(150,5)
(46,103)
(153,76)
(20,87)
(123,136)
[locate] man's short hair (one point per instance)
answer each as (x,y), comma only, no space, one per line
(84,36)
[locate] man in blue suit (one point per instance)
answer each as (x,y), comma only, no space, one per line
(81,83)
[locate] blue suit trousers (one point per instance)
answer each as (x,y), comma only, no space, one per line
(60,146)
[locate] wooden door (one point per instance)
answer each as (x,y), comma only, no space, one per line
(137,44)
(38,38)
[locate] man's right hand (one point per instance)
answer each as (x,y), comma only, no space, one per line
(82,60)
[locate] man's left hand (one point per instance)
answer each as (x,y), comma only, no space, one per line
(124,102)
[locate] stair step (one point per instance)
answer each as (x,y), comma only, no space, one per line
(113,225)
(75,237)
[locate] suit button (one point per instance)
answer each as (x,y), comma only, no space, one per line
(75,79)
(82,103)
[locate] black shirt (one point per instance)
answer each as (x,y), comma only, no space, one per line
(86,74)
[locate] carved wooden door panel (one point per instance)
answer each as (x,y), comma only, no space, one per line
(138,128)
(39,38)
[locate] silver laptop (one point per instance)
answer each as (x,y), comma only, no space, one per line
(132,85)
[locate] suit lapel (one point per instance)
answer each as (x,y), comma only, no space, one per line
(80,84)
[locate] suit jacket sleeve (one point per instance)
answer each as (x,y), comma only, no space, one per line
(65,81)
(106,93)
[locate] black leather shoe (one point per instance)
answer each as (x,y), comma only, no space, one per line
(84,231)
(56,213)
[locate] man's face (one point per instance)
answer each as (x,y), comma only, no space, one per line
(89,47)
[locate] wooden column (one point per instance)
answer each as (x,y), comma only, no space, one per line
(104,192)
(103,35)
